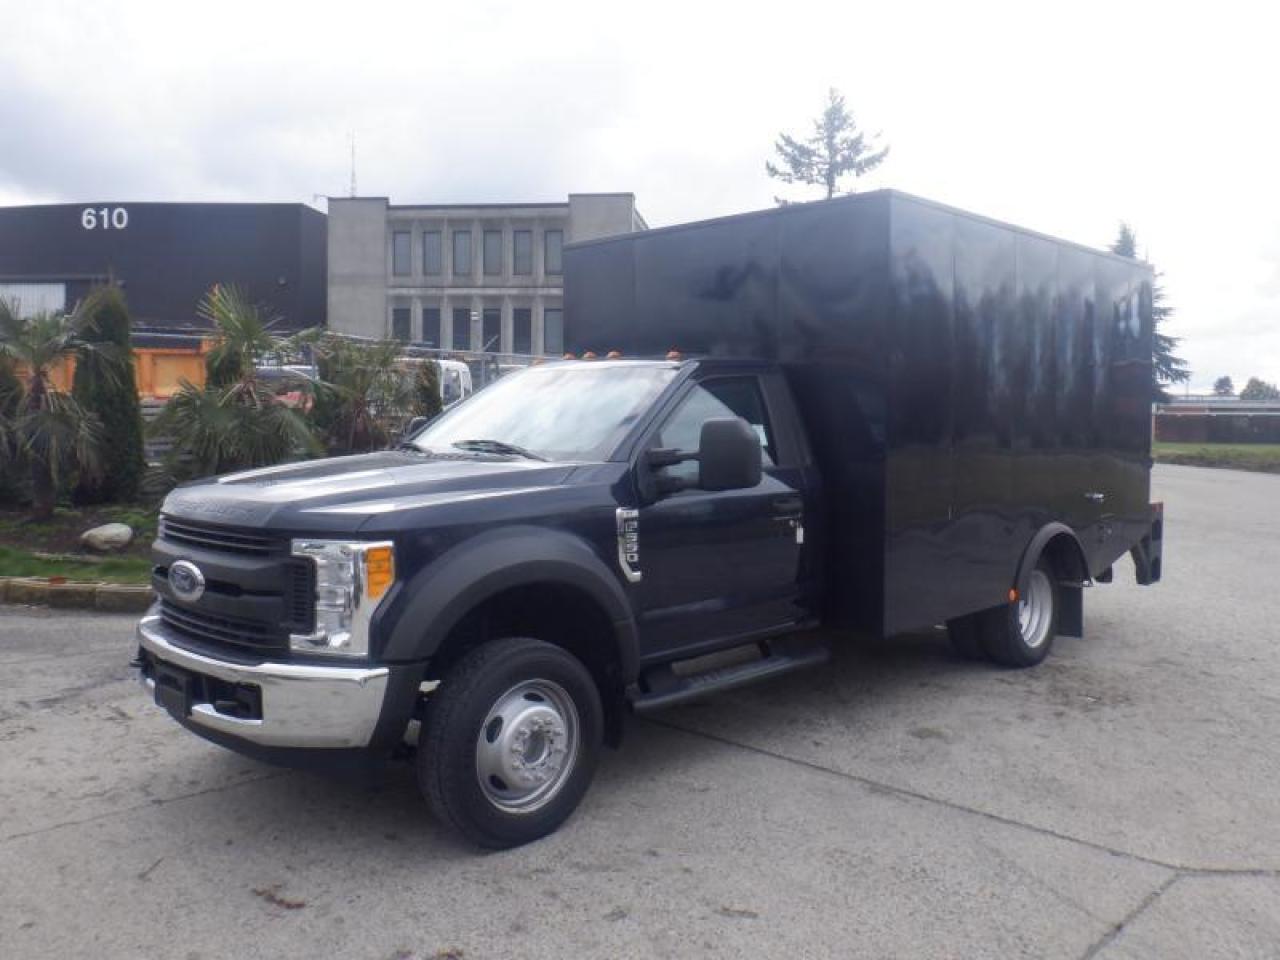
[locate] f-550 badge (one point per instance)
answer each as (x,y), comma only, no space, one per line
(629,544)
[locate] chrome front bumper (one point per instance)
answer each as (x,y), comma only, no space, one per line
(302,705)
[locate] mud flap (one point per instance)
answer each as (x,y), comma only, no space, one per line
(1071,615)
(1148,553)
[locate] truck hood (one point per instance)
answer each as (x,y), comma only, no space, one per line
(342,493)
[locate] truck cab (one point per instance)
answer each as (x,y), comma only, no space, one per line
(307,613)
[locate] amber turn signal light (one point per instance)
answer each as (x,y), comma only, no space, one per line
(379,571)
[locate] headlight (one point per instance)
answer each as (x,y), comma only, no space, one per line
(352,577)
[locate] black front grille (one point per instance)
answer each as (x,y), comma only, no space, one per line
(211,537)
(256,593)
(234,631)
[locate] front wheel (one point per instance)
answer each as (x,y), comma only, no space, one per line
(510,741)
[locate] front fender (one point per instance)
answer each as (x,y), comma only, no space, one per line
(441,594)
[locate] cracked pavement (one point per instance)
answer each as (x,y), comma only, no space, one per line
(1119,801)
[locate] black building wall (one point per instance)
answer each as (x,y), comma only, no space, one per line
(167,255)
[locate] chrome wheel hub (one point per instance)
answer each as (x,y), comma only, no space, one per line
(1035,609)
(527,746)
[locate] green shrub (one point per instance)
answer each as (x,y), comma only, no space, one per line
(113,396)
(13,482)
(236,421)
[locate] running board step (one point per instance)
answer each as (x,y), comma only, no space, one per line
(664,687)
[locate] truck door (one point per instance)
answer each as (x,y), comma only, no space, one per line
(720,564)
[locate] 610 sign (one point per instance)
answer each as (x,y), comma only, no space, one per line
(104,218)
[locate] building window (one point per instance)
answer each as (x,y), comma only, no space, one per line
(432,253)
(522,254)
(400,323)
(462,253)
(493,253)
(461,328)
(400,253)
(553,331)
(522,330)
(431,324)
(553,241)
(492,330)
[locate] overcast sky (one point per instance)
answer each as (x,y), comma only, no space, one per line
(1064,117)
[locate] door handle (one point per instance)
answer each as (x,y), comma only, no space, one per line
(788,506)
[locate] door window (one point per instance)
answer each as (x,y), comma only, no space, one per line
(726,397)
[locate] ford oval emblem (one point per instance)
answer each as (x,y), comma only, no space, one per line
(186,580)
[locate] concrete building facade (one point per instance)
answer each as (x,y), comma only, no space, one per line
(481,277)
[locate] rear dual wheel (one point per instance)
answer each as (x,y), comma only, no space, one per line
(1018,634)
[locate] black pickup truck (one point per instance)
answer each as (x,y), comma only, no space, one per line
(880,415)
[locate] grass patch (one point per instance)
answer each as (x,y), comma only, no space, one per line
(61,533)
(21,563)
(24,544)
(1261,457)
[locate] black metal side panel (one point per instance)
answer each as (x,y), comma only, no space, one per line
(833,309)
(1081,458)
(600,302)
(710,289)
(1122,408)
(919,475)
(1040,491)
(980,540)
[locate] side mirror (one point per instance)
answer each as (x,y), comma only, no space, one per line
(416,424)
(728,455)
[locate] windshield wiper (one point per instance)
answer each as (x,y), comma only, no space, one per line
(497,446)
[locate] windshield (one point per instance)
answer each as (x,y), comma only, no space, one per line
(570,412)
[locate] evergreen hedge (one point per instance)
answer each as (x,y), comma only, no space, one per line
(115,400)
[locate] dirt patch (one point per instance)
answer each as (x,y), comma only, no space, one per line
(272,895)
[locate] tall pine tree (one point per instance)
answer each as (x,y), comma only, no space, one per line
(836,149)
(1166,367)
(114,398)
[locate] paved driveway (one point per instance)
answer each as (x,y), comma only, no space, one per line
(1121,800)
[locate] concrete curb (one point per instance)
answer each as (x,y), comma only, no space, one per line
(107,597)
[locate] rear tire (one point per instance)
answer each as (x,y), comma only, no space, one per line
(1021,634)
(510,741)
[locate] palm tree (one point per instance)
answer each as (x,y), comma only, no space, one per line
(43,428)
(236,421)
(241,335)
(363,395)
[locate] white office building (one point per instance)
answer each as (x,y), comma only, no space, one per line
(482,277)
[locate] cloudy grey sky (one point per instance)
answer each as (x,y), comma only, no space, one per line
(1063,117)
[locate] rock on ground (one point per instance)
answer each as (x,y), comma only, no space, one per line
(108,537)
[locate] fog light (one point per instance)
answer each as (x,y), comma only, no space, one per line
(352,576)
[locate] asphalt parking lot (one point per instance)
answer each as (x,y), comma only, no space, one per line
(1120,801)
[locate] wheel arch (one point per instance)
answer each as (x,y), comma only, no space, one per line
(521,582)
(1059,543)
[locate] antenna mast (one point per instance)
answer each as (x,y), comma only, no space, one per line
(352,138)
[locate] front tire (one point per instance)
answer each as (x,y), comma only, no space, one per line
(510,741)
